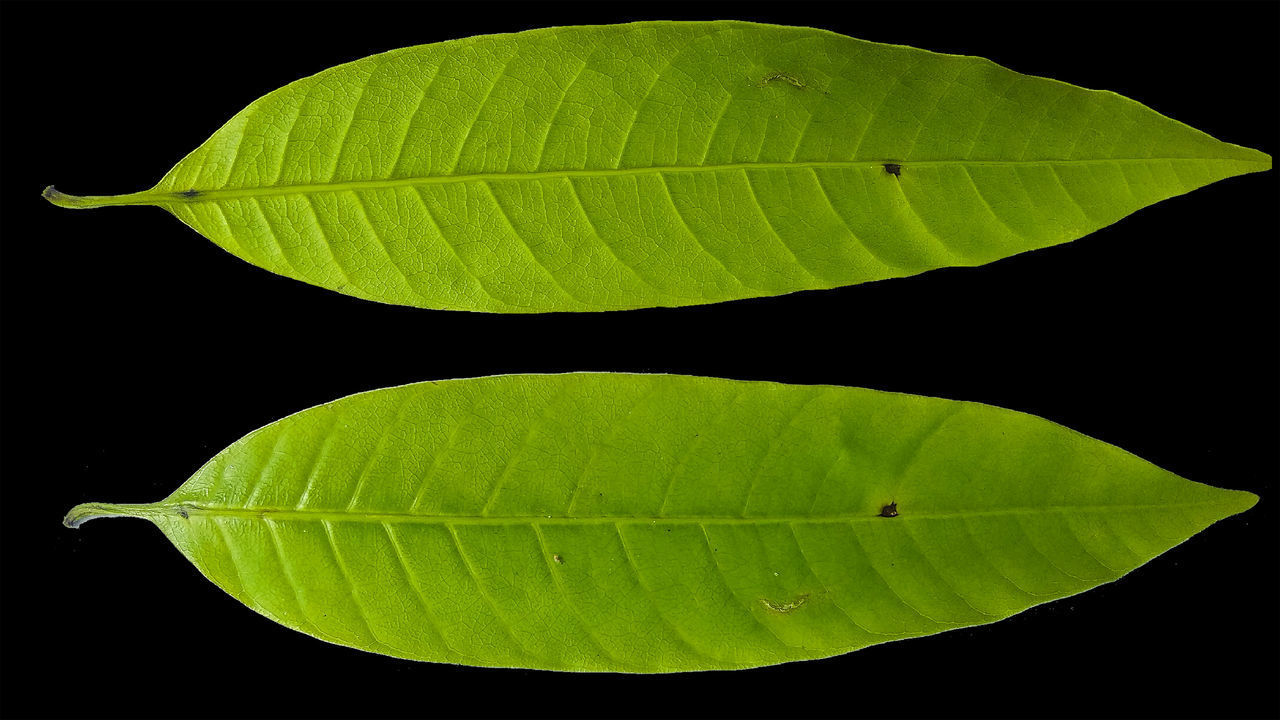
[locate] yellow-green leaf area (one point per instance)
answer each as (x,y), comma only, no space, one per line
(662,523)
(667,164)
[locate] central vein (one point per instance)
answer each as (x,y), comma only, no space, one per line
(316,515)
(196,195)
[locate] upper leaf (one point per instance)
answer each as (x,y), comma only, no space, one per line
(667,163)
(656,523)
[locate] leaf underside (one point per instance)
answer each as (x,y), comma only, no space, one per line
(665,164)
(661,523)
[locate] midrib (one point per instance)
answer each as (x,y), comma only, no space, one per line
(151,197)
(306,515)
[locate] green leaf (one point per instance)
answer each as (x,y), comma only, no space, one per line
(659,523)
(666,164)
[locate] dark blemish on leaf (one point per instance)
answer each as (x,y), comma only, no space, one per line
(559,560)
(893,169)
(890,510)
(784,608)
(189,194)
(183,512)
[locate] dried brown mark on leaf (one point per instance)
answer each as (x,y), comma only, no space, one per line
(785,607)
(894,169)
(784,77)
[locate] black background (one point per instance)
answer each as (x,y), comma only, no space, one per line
(133,350)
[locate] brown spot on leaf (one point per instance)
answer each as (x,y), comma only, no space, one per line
(890,510)
(893,169)
(785,607)
(784,77)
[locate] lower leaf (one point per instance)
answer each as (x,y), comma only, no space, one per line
(661,523)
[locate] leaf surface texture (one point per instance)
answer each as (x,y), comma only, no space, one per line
(660,523)
(667,164)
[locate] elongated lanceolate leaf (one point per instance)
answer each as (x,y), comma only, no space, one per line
(666,163)
(658,523)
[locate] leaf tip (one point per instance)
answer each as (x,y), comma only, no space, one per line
(1242,500)
(1227,503)
(1257,160)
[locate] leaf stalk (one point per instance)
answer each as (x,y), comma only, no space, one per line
(83,513)
(87,202)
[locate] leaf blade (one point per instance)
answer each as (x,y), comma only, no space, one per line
(663,523)
(667,164)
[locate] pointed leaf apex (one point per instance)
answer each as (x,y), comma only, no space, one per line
(1240,501)
(1259,157)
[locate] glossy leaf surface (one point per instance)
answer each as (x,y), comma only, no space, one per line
(664,164)
(659,523)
